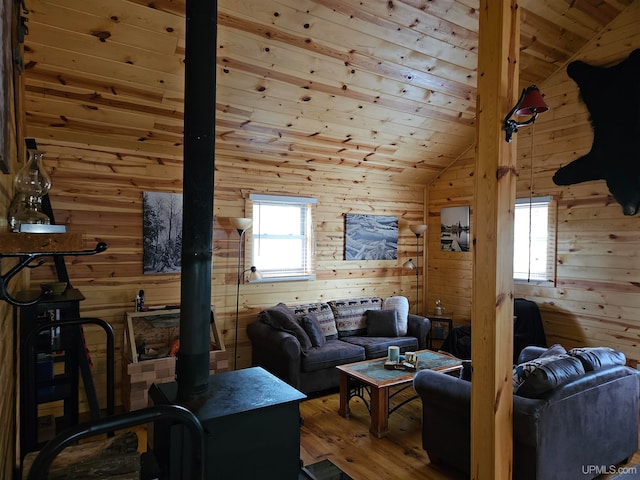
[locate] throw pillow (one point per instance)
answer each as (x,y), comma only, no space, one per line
(598,357)
(350,314)
(382,323)
(281,318)
(555,349)
(400,305)
(324,315)
(532,379)
(314,330)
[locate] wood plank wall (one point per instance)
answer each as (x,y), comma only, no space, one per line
(112,130)
(596,297)
(90,194)
(8,350)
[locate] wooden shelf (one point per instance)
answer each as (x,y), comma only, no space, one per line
(24,243)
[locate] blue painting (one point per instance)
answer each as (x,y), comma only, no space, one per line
(371,237)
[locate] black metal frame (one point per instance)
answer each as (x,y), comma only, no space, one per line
(356,388)
(42,462)
(73,359)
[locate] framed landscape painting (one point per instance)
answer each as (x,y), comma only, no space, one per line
(454,229)
(371,237)
(162,232)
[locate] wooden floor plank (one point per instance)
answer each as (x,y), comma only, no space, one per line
(348,444)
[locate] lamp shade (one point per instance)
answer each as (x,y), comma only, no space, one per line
(409,265)
(532,102)
(418,229)
(240,223)
(254,275)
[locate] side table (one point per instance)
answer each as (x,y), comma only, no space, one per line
(439,335)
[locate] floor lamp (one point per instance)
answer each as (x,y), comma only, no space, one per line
(418,230)
(241,225)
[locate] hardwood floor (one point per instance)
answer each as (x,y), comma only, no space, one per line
(348,444)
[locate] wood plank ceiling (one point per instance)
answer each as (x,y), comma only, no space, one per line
(364,90)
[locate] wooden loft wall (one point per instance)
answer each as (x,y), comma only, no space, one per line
(595,299)
(99,194)
(110,133)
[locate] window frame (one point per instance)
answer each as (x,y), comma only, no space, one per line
(551,241)
(307,270)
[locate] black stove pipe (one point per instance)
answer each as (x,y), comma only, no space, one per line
(192,368)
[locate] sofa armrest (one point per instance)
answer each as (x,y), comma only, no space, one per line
(419,327)
(446,417)
(443,391)
(276,351)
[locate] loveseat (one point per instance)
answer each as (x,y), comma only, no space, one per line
(574,414)
(302,344)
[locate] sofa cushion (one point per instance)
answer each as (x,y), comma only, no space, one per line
(593,358)
(281,318)
(382,323)
(334,353)
(350,314)
(377,347)
(324,315)
(555,349)
(401,305)
(314,330)
(536,377)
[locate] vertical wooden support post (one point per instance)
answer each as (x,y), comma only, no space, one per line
(494,198)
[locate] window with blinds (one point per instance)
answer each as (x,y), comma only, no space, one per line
(282,245)
(534,236)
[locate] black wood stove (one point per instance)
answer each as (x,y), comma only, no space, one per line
(251,421)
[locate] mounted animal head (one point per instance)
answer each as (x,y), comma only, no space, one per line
(612,97)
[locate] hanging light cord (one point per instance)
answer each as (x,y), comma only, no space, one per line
(530,202)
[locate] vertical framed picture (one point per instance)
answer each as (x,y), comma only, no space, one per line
(371,237)
(162,232)
(454,229)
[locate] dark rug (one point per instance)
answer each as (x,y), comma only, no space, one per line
(323,470)
(627,472)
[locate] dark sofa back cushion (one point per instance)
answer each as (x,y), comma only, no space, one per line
(597,357)
(382,323)
(314,330)
(544,374)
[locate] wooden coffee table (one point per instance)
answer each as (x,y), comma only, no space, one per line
(372,377)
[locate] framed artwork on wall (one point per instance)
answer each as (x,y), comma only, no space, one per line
(162,232)
(454,229)
(370,237)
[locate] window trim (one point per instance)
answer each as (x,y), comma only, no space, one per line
(308,203)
